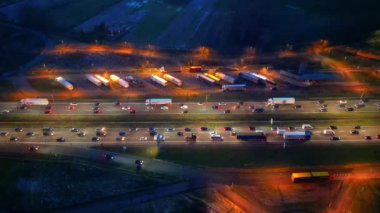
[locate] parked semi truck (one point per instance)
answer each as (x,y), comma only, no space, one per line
(206,79)
(64,83)
(225,77)
(234,87)
(297,136)
(173,79)
(159,80)
(213,77)
(103,80)
(158,101)
(253,77)
(195,69)
(94,80)
(298,177)
(35,101)
(251,136)
(120,81)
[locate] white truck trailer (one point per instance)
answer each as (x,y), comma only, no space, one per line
(102,79)
(64,83)
(120,81)
(281,101)
(234,87)
(253,77)
(35,101)
(206,79)
(158,101)
(296,136)
(173,79)
(94,80)
(225,77)
(159,80)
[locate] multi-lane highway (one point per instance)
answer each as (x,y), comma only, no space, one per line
(141,135)
(110,108)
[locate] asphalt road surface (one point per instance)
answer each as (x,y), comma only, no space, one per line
(109,108)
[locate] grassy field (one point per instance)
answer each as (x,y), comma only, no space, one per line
(338,118)
(159,17)
(253,156)
(34,182)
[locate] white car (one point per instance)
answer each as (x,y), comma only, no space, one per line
(149,107)
(164,108)
(5,111)
(328,132)
(184,107)
(307,127)
(222,104)
(143,138)
(73,104)
(125,108)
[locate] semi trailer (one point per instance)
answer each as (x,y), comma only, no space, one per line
(173,79)
(297,136)
(102,79)
(206,79)
(64,83)
(93,80)
(120,81)
(34,101)
(158,101)
(298,177)
(253,77)
(159,80)
(251,136)
(225,77)
(282,101)
(234,87)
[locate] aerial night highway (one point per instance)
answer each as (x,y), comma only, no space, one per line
(189,106)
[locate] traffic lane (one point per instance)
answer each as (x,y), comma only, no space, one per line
(202,136)
(111,108)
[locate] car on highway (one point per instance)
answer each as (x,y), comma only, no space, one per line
(179,133)
(4,133)
(259,109)
(101,132)
(354,132)
(349,109)
(228,128)
(33,148)
(323,109)
(109,156)
(200,103)
(6,111)
(46,133)
(97,104)
(185,111)
(357,127)
(307,127)
(133,129)
(73,104)
(74,130)
(118,103)
(274,128)
(367,137)
(252,107)
(215,107)
(333,127)
(378,136)
(187,129)
(61,139)
(23,107)
(71,107)
(120,138)
(13,138)
(203,128)
(170,129)
(125,108)
(30,134)
(378,105)
(165,108)
(252,128)
(95,139)
(19,129)
(122,133)
(97,111)
(298,106)
(227,111)
(335,138)
(233,133)
(329,132)
(81,134)
(184,107)
(139,162)
(132,111)
(49,107)
(222,104)
(142,138)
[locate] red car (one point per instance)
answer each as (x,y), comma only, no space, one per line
(71,107)
(368,137)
